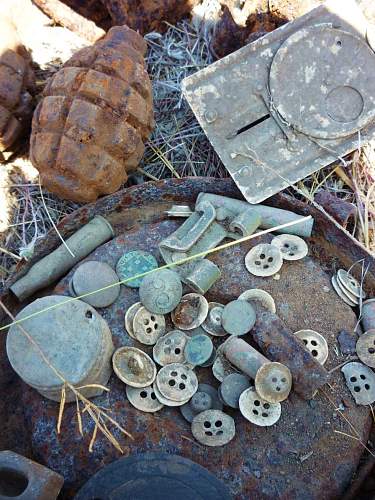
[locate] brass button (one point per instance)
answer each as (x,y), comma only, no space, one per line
(273,382)
(134,367)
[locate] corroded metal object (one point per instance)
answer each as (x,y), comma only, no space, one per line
(206,398)
(161,291)
(259,297)
(143,398)
(134,263)
(271,130)
(291,247)
(191,312)
(264,260)
(129,318)
(365,348)
(368,315)
(257,410)
(360,380)
(213,428)
(17,84)
(177,382)
(238,317)
(89,129)
(281,345)
(170,348)
(148,327)
(212,323)
(346,296)
(232,387)
(133,367)
(198,350)
(243,356)
(314,343)
(273,382)
(350,284)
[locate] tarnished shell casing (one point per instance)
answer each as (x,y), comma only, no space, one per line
(16,86)
(89,129)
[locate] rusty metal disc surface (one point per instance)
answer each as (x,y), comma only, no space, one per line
(191,312)
(212,323)
(263,298)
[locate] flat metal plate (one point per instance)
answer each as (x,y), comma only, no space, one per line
(231,100)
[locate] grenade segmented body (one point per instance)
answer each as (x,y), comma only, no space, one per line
(90,127)
(16,86)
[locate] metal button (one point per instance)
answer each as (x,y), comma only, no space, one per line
(222,367)
(315,343)
(148,327)
(360,380)
(176,382)
(344,296)
(166,401)
(134,367)
(273,382)
(206,398)
(264,260)
(190,312)
(213,428)
(170,348)
(161,291)
(366,348)
(129,318)
(143,398)
(350,284)
(134,263)
(212,323)
(94,275)
(259,296)
(238,317)
(291,247)
(198,350)
(257,410)
(232,387)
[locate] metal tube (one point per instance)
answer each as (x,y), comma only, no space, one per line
(60,261)
(243,356)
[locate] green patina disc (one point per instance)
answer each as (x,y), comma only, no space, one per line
(134,263)
(198,349)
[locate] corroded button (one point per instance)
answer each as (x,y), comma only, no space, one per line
(366,348)
(315,343)
(190,312)
(213,428)
(257,410)
(161,291)
(94,275)
(148,327)
(143,398)
(134,367)
(198,349)
(212,324)
(129,318)
(264,260)
(177,382)
(350,284)
(210,360)
(259,296)
(273,382)
(291,247)
(343,295)
(206,398)
(170,348)
(232,387)
(134,263)
(238,317)
(166,401)
(360,380)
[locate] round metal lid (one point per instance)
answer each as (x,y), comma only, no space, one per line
(74,343)
(260,296)
(133,366)
(134,263)
(273,382)
(291,247)
(232,387)
(170,348)
(93,275)
(315,343)
(129,317)
(198,350)
(213,428)
(206,398)
(143,398)
(212,324)
(154,476)
(161,291)
(257,410)
(190,312)
(317,83)
(264,260)
(177,382)
(238,317)
(148,327)
(365,348)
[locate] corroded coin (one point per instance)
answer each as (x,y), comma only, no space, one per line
(238,317)
(206,398)
(134,263)
(198,350)
(161,291)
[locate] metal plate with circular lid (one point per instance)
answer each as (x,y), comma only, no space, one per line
(328,97)
(257,410)
(143,398)
(273,382)
(148,327)
(190,312)
(264,260)
(161,291)
(291,247)
(134,367)
(365,348)
(177,382)
(213,428)
(315,343)
(129,317)
(134,263)
(154,476)
(206,398)
(170,348)
(212,323)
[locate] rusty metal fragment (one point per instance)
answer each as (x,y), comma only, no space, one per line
(89,129)
(341,210)
(281,345)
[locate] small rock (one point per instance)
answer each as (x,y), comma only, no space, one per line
(347,341)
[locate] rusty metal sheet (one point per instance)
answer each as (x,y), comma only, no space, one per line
(291,102)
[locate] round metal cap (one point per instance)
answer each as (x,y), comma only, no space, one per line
(338,289)
(350,284)
(94,275)
(177,382)
(198,350)
(238,317)
(366,348)
(257,410)
(315,343)
(360,380)
(134,367)
(232,387)
(154,476)
(129,317)
(134,263)
(166,401)
(213,428)
(206,398)
(222,367)
(212,324)
(143,398)
(261,297)
(273,382)
(291,247)
(190,312)
(148,327)
(264,260)
(170,348)
(161,291)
